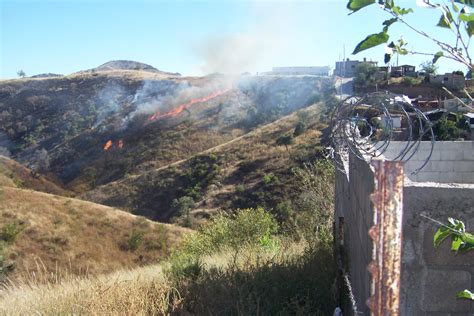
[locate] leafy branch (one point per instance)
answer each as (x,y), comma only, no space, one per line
(461,241)
(455,17)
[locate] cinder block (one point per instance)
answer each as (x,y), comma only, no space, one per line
(451,177)
(423,155)
(411,165)
(428,176)
(464,166)
(468,177)
(442,166)
(436,154)
(468,145)
(468,154)
(440,288)
(452,155)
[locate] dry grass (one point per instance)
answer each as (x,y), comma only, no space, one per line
(14,174)
(257,145)
(141,291)
(79,237)
(128,292)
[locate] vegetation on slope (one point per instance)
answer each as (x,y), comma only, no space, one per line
(241,262)
(63,235)
(66,121)
(14,174)
(251,171)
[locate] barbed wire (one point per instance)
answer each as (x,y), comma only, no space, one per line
(365,126)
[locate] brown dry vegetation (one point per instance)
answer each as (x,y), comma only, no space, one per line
(142,291)
(239,178)
(65,235)
(14,174)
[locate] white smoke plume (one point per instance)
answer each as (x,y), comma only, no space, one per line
(164,95)
(109,103)
(258,47)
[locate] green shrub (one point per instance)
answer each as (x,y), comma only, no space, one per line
(245,228)
(135,240)
(285,140)
(10,231)
(445,130)
(240,188)
(299,129)
(270,178)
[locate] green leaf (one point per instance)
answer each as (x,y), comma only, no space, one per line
(355,5)
(371,41)
(466,2)
(455,7)
(441,234)
(400,11)
(470,28)
(387,23)
(437,56)
(457,225)
(444,21)
(465,294)
(466,17)
(457,243)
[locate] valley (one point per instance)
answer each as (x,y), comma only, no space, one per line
(113,169)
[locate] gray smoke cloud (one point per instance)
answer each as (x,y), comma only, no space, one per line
(258,47)
(164,95)
(109,101)
(5,143)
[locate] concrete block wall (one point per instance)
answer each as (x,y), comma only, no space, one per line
(432,277)
(450,162)
(353,203)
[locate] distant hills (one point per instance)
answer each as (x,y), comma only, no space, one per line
(59,127)
(152,143)
(120,65)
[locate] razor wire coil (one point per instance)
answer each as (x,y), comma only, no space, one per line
(365,126)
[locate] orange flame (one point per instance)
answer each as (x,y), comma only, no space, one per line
(108,144)
(180,108)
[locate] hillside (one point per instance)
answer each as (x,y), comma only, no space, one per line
(60,126)
(124,65)
(14,174)
(249,171)
(43,233)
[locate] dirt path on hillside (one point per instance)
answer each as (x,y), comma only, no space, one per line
(212,149)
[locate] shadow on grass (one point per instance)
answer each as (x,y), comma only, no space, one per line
(299,286)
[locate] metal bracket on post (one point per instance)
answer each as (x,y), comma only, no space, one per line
(386,234)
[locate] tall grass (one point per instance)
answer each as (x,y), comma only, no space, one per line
(140,291)
(241,263)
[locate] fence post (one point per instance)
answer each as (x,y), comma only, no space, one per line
(386,234)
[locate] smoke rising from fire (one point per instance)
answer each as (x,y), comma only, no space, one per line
(259,46)
(177,98)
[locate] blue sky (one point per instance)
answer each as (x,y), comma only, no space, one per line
(193,37)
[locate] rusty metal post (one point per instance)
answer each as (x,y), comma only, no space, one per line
(387,238)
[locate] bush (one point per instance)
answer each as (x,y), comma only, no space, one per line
(10,231)
(135,240)
(445,130)
(245,228)
(285,140)
(270,277)
(299,129)
(409,81)
(248,228)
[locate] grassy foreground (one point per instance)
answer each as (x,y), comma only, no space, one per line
(238,264)
(241,262)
